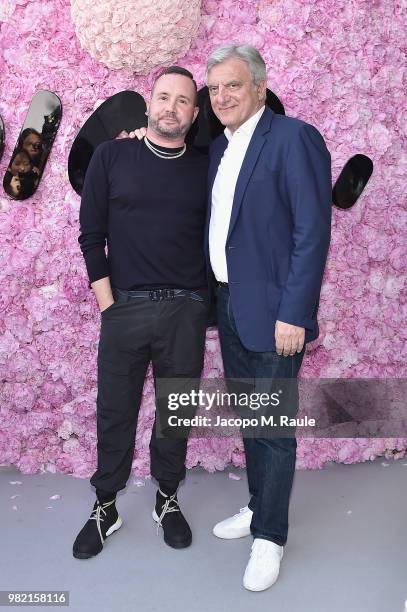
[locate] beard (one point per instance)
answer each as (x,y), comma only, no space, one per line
(176,131)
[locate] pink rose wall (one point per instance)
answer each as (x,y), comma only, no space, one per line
(337,65)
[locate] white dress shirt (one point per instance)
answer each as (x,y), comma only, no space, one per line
(223,192)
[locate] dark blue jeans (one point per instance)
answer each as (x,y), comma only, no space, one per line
(270,462)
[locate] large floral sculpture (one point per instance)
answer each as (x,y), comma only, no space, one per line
(137,35)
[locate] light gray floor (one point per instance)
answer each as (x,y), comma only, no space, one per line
(346,548)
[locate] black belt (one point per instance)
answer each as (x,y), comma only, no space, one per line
(156,295)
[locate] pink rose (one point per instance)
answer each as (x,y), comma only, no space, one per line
(379,137)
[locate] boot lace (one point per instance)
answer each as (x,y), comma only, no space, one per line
(170,505)
(96,515)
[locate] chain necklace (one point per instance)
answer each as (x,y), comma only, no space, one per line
(163,154)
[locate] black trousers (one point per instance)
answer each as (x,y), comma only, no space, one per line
(134,331)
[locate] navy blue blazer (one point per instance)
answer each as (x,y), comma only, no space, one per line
(279,230)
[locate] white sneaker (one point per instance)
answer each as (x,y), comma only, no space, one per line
(236,526)
(264,565)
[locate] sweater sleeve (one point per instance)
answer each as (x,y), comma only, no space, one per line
(93,215)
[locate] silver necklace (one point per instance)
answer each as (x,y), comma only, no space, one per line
(163,154)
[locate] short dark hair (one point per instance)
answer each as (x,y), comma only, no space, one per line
(177,70)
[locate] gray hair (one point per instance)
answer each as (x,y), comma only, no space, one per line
(247,53)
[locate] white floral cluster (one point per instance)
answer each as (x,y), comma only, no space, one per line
(136,35)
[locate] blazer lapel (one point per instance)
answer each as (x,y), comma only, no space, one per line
(252,154)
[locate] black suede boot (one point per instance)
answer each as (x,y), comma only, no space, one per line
(104,520)
(168,515)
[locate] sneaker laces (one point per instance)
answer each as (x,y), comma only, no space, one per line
(261,548)
(242,511)
(167,507)
(96,515)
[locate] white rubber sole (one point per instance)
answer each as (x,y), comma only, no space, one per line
(155,516)
(231,536)
(257,589)
(114,527)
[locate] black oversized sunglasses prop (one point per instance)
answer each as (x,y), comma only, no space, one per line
(121,112)
(33,146)
(125,111)
(1,137)
(352,181)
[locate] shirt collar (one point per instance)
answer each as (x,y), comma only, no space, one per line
(247,127)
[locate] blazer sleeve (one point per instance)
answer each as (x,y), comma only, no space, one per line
(309,188)
(93,214)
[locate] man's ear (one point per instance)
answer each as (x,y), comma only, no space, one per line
(261,90)
(196,111)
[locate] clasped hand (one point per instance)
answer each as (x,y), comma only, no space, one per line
(289,338)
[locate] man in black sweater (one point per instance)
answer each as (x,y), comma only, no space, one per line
(147,201)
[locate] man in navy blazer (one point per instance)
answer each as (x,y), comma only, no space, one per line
(267,239)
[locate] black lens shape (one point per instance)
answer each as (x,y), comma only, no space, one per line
(124,111)
(352,181)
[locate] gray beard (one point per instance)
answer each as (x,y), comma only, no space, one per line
(172,133)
